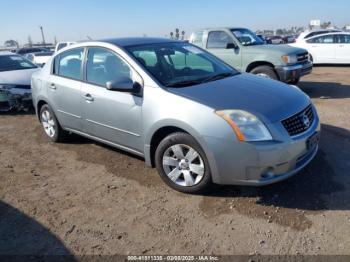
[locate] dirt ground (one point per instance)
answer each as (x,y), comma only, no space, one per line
(82,197)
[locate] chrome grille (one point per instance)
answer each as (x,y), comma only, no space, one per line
(299,122)
(303,57)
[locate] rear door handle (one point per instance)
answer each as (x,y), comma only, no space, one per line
(88,97)
(53,86)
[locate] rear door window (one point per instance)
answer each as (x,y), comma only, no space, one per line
(69,64)
(326,39)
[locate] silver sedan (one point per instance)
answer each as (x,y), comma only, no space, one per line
(190,115)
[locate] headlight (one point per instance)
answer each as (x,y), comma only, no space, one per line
(246,126)
(290,59)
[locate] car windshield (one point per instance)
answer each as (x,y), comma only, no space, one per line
(247,37)
(14,62)
(180,64)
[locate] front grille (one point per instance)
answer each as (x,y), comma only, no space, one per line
(299,122)
(303,57)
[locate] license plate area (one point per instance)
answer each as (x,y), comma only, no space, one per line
(312,141)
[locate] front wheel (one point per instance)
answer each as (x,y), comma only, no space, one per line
(182,164)
(265,71)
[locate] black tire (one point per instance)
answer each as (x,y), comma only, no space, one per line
(295,81)
(185,140)
(267,71)
(59,135)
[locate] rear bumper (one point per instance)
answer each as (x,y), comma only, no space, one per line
(294,72)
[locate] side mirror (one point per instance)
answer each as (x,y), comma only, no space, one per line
(124,84)
(231,46)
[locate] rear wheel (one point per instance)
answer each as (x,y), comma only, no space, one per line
(182,164)
(265,71)
(51,127)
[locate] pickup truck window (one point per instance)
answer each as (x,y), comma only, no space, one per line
(198,38)
(218,39)
(247,37)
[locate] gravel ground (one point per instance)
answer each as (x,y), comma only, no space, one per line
(82,197)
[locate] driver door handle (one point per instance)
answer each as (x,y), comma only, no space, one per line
(88,97)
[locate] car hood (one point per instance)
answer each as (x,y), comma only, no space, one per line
(281,49)
(17,77)
(270,100)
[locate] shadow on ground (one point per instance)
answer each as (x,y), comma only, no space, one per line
(325,90)
(315,189)
(22,236)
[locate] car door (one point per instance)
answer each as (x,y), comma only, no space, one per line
(322,49)
(112,116)
(217,44)
(64,88)
(342,48)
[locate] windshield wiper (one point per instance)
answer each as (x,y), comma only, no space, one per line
(184,83)
(218,76)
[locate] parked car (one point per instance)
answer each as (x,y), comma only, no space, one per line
(275,40)
(329,48)
(194,118)
(242,49)
(39,58)
(28,50)
(15,77)
(61,45)
(307,34)
(289,39)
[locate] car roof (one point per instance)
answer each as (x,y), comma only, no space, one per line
(331,33)
(48,53)
(134,41)
(221,28)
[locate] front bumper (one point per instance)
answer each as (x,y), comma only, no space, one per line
(15,99)
(294,72)
(260,163)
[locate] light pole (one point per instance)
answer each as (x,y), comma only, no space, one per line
(42,34)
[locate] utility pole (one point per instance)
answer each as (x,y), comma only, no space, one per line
(42,34)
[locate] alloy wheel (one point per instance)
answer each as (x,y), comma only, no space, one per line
(183,165)
(48,123)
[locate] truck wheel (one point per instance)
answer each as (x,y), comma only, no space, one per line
(265,71)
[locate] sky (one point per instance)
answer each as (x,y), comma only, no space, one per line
(71,20)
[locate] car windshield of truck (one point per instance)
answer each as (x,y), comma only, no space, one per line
(247,37)
(14,62)
(180,64)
